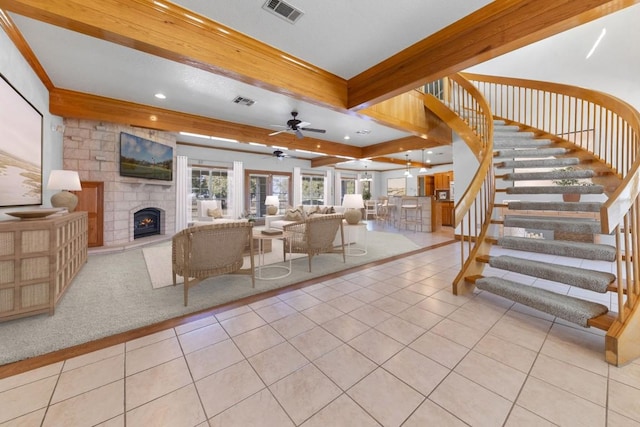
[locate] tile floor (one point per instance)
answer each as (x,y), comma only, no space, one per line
(389,345)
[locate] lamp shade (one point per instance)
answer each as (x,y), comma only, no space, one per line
(64,180)
(272,201)
(353,201)
(273,204)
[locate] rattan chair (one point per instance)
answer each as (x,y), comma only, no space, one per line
(211,250)
(314,236)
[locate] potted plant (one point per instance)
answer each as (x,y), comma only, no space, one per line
(569,182)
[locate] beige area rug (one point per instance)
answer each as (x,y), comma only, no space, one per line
(158,261)
(112,293)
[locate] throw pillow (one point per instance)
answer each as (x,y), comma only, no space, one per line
(215,213)
(293,215)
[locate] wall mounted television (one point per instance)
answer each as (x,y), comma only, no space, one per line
(143,158)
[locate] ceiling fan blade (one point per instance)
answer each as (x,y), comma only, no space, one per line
(299,134)
(302,124)
(280,131)
(313,130)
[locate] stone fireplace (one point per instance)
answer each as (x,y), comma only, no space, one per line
(93,149)
(146,222)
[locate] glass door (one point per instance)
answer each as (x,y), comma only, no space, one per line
(259,185)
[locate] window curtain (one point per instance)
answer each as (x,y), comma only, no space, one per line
(183,193)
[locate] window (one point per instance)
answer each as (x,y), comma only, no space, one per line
(347,186)
(312,190)
(209,184)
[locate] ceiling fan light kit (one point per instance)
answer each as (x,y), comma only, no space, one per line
(296,127)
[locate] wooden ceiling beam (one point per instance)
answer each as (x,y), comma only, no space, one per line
(169,31)
(398,146)
(498,28)
(78,105)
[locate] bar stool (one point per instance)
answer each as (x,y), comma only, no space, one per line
(411,213)
(382,207)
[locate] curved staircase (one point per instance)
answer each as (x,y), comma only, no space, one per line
(569,230)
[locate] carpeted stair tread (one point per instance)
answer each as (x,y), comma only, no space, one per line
(569,308)
(555,206)
(593,280)
(549,175)
(538,163)
(540,152)
(566,224)
(505,128)
(557,189)
(502,144)
(591,251)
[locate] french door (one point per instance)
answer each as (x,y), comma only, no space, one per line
(259,185)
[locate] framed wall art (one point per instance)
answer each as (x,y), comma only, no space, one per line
(396,186)
(20,149)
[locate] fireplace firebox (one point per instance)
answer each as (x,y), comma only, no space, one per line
(146,222)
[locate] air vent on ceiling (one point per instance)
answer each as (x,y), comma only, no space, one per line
(283,10)
(244,101)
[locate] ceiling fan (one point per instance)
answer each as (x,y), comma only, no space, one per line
(296,127)
(281,155)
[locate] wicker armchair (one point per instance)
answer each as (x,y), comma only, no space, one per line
(211,250)
(315,236)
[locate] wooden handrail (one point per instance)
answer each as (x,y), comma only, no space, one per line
(463,108)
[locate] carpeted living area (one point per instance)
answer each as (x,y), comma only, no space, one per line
(113,294)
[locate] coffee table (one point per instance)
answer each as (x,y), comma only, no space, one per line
(260,267)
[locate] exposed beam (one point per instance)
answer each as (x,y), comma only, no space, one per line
(172,32)
(72,104)
(398,146)
(498,28)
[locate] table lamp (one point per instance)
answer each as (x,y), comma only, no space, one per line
(66,181)
(273,204)
(352,204)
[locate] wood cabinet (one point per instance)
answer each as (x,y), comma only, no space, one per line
(443,180)
(38,261)
(446,210)
(425,185)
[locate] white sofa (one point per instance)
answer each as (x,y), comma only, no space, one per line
(203,216)
(278,222)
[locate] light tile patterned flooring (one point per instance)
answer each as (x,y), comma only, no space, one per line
(389,345)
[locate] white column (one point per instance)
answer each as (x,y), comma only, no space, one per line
(328,189)
(183,182)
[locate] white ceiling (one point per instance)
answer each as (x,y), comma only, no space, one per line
(342,37)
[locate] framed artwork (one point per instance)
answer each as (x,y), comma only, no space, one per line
(443,194)
(20,149)
(396,186)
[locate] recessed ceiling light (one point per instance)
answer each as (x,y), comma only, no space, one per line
(429,152)
(160,96)
(347,137)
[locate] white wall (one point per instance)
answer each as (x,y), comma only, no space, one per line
(613,68)
(18,72)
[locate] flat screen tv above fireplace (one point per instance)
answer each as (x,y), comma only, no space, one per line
(143,158)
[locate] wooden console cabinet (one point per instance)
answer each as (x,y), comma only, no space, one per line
(38,261)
